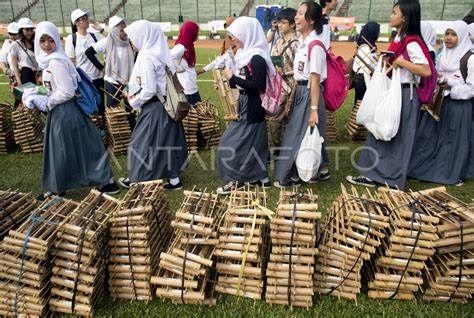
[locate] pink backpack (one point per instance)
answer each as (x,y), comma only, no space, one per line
(336,85)
(271,98)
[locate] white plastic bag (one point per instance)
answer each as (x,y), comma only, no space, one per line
(308,159)
(381,106)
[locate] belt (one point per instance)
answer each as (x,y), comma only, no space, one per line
(407,85)
(303,83)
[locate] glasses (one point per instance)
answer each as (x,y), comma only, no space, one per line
(83,18)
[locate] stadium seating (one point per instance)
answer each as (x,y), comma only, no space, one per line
(207,10)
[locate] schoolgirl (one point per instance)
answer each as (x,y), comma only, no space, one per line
(470,168)
(5,56)
(74,155)
(22,52)
(441,152)
(364,61)
(119,60)
(328,6)
(184,57)
(157,149)
(76,45)
(386,162)
(243,148)
(309,107)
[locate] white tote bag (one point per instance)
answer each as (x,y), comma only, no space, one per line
(308,159)
(382,103)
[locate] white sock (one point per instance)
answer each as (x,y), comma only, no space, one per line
(265,180)
(174,181)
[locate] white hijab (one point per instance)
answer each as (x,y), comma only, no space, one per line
(428,33)
(471,34)
(44,59)
(250,32)
(149,39)
(115,68)
(450,58)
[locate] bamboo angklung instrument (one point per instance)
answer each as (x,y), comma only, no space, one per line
(186,272)
(80,256)
(140,231)
(293,233)
(229,96)
(7,138)
(26,260)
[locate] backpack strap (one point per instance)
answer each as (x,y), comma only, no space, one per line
(74,38)
(313,44)
(463,64)
(288,46)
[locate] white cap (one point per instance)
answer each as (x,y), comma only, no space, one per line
(114,21)
(76,14)
(12,28)
(25,23)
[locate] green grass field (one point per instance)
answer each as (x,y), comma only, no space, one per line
(23,172)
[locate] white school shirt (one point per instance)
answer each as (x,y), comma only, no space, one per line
(100,47)
(79,54)
(317,65)
(149,74)
(61,85)
(325,36)
(5,55)
(416,56)
(24,59)
(187,75)
(460,89)
(223,61)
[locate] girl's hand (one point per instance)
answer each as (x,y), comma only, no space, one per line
(228,73)
(313,118)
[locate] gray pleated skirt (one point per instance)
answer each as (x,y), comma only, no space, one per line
(74,155)
(387,162)
(157,148)
(470,167)
(441,151)
(243,148)
(293,136)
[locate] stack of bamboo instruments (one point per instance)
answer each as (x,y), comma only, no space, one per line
(208,125)
(15,207)
(293,235)
(7,139)
(356,132)
(118,128)
(28,127)
(186,272)
(140,230)
(229,97)
(331,129)
(79,271)
(243,245)
(350,233)
(191,128)
(449,275)
(409,242)
(26,260)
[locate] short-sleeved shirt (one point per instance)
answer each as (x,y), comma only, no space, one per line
(416,56)
(79,54)
(303,69)
(25,59)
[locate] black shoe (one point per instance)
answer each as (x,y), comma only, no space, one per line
(231,186)
(111,188)
(321,176)
(175,187)
(264,185)
(47,194)
(124,183)
(361,180)
(287,184)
